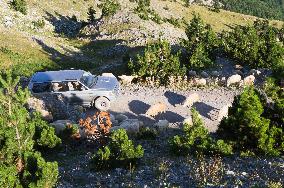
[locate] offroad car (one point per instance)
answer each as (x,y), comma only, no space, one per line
(77,86)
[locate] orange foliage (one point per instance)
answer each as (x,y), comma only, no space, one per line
(96,126)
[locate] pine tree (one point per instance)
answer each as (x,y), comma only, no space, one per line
(20,163)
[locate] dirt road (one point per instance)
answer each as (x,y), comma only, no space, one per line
(134,102)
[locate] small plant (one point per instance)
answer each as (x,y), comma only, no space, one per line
(208,172)
(146,13)
(19,5)
(71,132)
(109,7)
(157,62)
(120,152)
(196,138)
(174,21)
(39,24)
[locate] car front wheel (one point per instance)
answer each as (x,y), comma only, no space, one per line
(102,104)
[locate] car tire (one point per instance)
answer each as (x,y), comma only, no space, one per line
(102,103)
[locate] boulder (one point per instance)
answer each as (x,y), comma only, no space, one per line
(121,117)
(161,125)
(156,109)
(234,79)
(60,125)
(204,74)
(215,73)
(132,126)
(249,80)
(38,105)
(192,73)
(191,99)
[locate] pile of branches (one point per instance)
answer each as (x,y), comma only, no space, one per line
(96,127)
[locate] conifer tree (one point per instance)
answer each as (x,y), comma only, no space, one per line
(20,164)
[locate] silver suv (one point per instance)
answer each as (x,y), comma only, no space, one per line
(77,86)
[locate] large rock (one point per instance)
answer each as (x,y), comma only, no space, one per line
(156,109)
(192,73)
(191,99)
(234,79)
(121,117)
(204,74)
(38,105)
(60,125)
(249,80)
(162,125)
(132,126)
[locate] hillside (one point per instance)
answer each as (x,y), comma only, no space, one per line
(60,42)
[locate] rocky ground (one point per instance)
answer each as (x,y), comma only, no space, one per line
(158,167)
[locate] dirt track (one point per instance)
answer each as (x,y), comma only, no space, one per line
(134,102)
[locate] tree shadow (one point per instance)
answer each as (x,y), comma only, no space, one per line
(138,107)
(204,109)
(172,117)
(65,25)
(174,98)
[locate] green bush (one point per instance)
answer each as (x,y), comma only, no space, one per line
(246,127)
(109,7)
(201,45)
(19,5)
(196,138)
(21,165)
(39,24)
(120,152)
(256,46)
(157,61)
(146,13)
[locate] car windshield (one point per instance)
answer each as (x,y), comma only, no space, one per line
(88,79)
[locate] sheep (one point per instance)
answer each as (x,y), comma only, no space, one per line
(191,99)
(155,109)
(234,79)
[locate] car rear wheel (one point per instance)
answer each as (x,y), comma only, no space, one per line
(102,104)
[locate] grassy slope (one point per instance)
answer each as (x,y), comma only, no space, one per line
(19,40)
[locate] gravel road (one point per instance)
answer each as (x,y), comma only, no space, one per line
(134,101)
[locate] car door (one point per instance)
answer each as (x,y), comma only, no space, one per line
(79,94)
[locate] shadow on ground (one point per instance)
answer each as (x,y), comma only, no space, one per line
(204,109)
(174,98)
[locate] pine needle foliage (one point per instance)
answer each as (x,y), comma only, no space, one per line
(120,152)
(196,139)
(157,61)
(20,164)
(201,45)
(248,129)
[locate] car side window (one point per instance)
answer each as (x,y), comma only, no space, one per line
(76,86)
(59,87)
(41,87)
